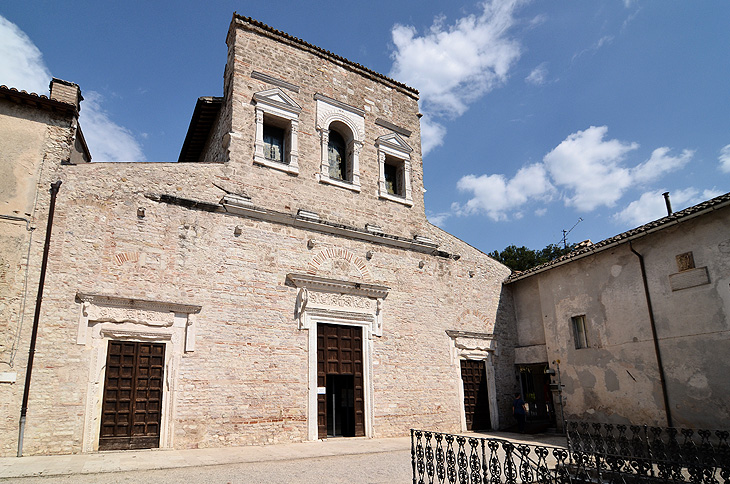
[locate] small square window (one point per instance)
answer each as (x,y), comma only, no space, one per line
(579,331)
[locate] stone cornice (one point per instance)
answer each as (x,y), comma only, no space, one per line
(240,206)
(468,334)
(339,104)
(273,80)
(132,303)
(324,284)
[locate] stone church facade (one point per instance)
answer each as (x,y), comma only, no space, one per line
(279,283)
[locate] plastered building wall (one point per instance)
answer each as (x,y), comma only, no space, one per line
(216,287)
(616,378)
(38,135)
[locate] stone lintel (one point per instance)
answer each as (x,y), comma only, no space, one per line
(132,303)
(324,284)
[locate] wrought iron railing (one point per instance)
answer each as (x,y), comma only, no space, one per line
(664,453)
(446,458)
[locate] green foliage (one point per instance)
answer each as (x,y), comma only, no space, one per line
(522,258)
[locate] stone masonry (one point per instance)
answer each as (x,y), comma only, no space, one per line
(215,260)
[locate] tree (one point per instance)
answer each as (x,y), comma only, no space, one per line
(522,258)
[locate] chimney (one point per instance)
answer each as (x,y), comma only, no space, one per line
(669,204)
(66,92)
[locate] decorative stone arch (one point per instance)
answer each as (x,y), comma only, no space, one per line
(339,253)
(103,318)
(477,316)
(466,345)
(329,111)
(346,303)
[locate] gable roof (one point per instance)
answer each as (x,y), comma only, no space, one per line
(289,39)
(646,229)
(38,101)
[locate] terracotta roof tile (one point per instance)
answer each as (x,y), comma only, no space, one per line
(653,226)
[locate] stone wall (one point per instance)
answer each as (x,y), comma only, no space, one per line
(238,368)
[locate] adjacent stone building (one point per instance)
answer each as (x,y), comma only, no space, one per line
(637,323)
(279,283)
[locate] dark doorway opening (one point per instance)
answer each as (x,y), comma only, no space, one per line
(476,396)
(340,392)
(538,396)
(341,405)
(132,401)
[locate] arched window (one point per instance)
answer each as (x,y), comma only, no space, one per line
(337,156)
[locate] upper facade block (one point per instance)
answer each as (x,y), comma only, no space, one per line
(310,130)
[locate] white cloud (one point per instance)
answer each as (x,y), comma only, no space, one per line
(21,63)
(589,168)
(538,75)
(438,219)
(725,159)
(496,196)
(107,140)
(22,67)
(453,65)
(651,205)
(659,164)
(606,39)
(432,134)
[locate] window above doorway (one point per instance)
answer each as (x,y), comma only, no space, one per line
(394,159)
(342,130)
(277,127)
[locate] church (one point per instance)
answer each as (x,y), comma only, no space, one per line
(279,283)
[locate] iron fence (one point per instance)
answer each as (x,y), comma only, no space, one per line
(446,458)
(665,453)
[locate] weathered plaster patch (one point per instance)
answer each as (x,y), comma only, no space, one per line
(616,270)
(612,384)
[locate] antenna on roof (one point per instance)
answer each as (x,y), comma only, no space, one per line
(566,232)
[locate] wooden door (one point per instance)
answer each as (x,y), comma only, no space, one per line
(132,401)
(476,398)
(339,352)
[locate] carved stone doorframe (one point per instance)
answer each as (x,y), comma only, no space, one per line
(467,345)
(329,301)
(103,318)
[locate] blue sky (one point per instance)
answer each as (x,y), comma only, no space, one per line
(536,114)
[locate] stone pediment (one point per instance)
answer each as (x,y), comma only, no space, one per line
(277,98)
(394,141)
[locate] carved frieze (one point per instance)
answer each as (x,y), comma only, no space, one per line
(128,315)
(341,300)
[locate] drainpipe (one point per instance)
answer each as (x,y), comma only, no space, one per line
(36,318)
(667,410)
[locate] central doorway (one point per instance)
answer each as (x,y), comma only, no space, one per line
(132,402)
(340,392)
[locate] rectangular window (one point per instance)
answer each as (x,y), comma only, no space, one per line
(579,331)
(274,138)
(393,173)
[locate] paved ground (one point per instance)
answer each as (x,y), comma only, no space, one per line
(333,461)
